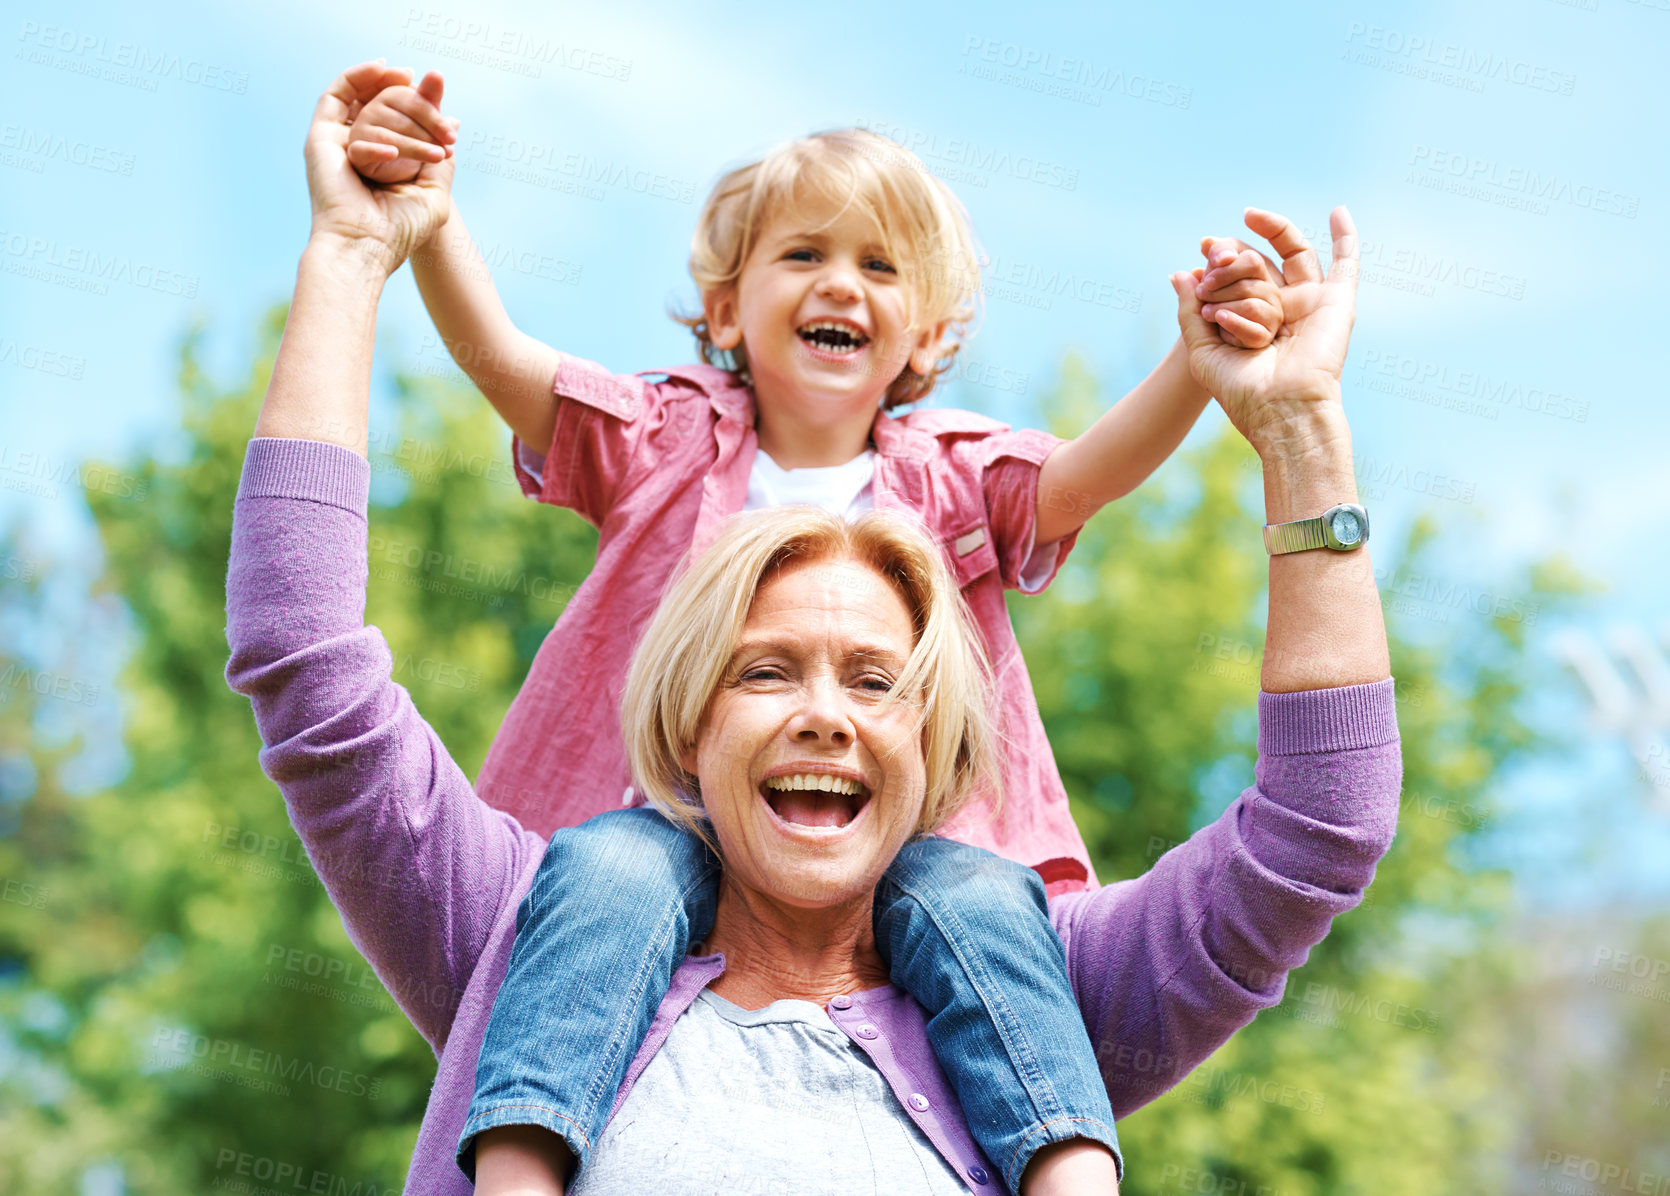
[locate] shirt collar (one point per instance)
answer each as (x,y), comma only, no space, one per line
(732,400)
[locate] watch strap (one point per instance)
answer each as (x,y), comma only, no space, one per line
(1297,536)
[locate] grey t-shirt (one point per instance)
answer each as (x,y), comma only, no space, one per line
(761,1102)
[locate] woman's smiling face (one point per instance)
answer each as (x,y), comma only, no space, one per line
(823,313)
(811,782)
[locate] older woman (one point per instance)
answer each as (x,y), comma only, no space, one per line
(826,648)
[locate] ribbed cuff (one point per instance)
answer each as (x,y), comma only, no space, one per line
(310,470)
(1327,720)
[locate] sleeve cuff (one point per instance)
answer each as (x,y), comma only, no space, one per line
(310,470)
(1040,567)
(1327,720)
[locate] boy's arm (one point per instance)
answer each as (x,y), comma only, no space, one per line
(1118,452)
(1241,291)
(511,368)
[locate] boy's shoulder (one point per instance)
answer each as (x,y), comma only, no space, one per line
(707,379)
(942,422)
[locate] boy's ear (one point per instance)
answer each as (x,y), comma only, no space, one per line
(927,349)
(724,328)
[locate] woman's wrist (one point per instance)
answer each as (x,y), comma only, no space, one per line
(361,262)
(1307,461)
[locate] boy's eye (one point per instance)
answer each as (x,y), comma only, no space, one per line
(880,263)
(800,255)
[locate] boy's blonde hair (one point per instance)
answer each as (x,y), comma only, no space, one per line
(686,650)
(924,229)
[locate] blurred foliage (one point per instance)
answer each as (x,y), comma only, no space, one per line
(168,963)
(186,963)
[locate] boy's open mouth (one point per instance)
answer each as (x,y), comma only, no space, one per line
(815,799)
(833,336)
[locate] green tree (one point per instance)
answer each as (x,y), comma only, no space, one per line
(186,1003)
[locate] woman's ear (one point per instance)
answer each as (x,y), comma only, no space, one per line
(724,328)
(928,349)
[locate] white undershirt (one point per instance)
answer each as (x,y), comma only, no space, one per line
(846,490)
(849,490)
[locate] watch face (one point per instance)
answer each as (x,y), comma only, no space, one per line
(1347,530)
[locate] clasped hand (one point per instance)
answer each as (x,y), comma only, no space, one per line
(1282,395)
(383,223)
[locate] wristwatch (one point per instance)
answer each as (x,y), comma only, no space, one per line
(1341,528)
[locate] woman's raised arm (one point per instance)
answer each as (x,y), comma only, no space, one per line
(421,869)
(1325,623)
(321,383)
(1168,965)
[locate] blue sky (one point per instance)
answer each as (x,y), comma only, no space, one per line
(1502,161)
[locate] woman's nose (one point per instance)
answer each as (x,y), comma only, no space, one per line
(823,717)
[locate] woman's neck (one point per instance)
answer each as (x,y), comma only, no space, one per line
(775,952)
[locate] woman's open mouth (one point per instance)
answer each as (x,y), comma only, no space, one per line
(815,799)
(837,337)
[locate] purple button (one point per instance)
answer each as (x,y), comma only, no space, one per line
(842,1002)
(919,1102)
(978,1174)
(867,1031)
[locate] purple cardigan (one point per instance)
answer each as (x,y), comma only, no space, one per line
(428,877)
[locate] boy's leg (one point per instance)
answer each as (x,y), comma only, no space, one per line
(614,907)
(967,933)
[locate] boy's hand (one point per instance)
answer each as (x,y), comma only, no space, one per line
(1240,292)
(399,130)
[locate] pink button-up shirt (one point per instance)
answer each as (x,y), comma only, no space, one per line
(657,467)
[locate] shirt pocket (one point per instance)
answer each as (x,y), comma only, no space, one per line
(970,552)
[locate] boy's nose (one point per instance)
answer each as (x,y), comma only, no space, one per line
(839,283)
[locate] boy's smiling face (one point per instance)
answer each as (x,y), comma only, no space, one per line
(822,311)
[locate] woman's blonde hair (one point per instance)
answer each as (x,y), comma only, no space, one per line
(925,231)
(686,650)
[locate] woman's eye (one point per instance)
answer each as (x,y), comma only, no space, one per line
(761,674)
(876,684)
